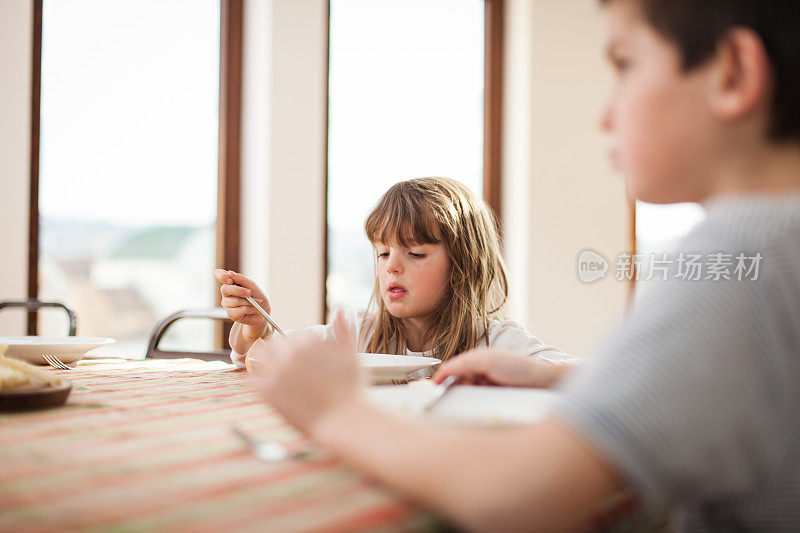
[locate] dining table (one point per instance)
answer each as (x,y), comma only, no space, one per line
(155,445)
(147,445)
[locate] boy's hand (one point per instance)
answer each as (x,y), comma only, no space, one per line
(234,289)
(304,377)
(487,366)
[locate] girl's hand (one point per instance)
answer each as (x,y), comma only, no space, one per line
(234,289)
(495,367)
(306,378)
(250,325)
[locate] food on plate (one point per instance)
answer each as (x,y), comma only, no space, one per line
(15,373)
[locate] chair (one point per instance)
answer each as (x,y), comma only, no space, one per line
(161,328)
(34,305)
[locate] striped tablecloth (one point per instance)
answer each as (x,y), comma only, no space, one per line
(147,446)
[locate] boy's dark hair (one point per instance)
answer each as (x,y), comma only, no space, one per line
(696,27)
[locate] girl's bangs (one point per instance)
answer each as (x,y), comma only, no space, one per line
(403,221)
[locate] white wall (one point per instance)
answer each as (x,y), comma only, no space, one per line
(284,112)
(16,30)
(561,195)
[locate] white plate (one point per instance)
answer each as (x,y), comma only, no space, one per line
(68,349)
(468,404)
(385,367)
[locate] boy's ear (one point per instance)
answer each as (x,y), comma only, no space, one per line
(742,77)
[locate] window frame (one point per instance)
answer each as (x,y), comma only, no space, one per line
(229,201)
(632,247)
(493,105)
(33,210)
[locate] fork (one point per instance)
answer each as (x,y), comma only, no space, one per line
(438,393)
(267,450)
(55,362)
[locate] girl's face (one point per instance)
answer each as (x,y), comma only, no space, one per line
(413,281)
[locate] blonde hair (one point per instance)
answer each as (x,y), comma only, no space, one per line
(432,211)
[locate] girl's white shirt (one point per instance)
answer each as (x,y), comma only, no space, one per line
(503,335)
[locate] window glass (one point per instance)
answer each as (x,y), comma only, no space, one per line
(128,166)
(405,100)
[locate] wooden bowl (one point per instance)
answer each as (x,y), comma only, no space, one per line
(33,398)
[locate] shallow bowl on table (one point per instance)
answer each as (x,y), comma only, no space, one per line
(68,349)
(380,367)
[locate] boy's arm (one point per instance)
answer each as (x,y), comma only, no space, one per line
(540,478)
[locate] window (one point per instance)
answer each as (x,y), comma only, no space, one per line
(128,166)
(660,227)
(406,99)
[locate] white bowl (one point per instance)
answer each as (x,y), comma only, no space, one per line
(381,367)
(68,349)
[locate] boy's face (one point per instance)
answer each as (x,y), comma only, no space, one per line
(658,115)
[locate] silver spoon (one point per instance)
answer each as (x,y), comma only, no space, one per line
(266,315)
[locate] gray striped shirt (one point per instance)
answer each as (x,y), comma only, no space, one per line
(696,398)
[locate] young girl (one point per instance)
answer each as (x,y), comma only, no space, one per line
(440,281)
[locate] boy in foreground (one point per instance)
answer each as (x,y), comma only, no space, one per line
(693,403)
